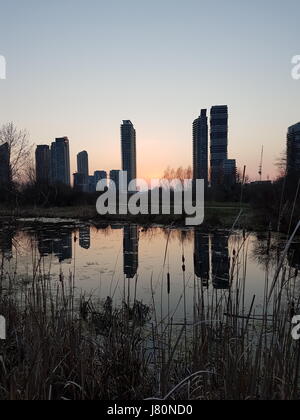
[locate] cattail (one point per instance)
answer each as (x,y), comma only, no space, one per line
(169,283)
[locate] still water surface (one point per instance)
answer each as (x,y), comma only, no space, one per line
(128,262)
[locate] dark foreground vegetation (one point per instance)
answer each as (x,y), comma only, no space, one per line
(64,346)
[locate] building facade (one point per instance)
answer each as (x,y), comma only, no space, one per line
(100,176)
(5,176)
(43,164)
(230,172)
(200,147)
(114,176)
(60,161)
(293,149)
(218,143)
(80,182)
(83,163)
(128,146)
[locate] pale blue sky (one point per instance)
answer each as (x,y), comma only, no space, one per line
(77,68)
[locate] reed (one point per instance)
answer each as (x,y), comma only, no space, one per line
(64,346)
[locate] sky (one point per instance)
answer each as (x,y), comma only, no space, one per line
(77,68)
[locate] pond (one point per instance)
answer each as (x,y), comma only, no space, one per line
(162,267)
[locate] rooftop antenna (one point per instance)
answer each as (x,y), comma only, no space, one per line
(261,164)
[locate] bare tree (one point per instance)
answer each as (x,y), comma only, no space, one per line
(29,172)
(281,163)
(20,150)
(179,173)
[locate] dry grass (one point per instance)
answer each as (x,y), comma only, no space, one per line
(59,347)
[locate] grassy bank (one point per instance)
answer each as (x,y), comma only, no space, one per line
(216,215)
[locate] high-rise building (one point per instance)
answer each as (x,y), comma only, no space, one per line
(91,184)
(60,161)
(218,142)
(114,176)
(4,165)
(128,145)
(293,149)
(43,164)
(200,147)
(230,172)
(80,182)
(100,176)
(83,163)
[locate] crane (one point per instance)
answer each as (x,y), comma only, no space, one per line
(261,164)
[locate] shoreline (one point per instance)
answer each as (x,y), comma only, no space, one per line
(217,216)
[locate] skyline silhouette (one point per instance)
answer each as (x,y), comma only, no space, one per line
(83,69)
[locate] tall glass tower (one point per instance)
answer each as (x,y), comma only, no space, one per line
(128,146)
(200,147)
(60,161)
(218,143)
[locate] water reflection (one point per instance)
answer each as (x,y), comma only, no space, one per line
(294,256)
(6,242)
(202,257)
(212,251)
(220,261)
(102,258)
(85,237)
(55,241)
(130,250)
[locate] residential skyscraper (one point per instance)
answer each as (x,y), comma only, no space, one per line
(43,164)
(99,176)
(200,147)
(293,149)
(230,172)
(80,182)
(60,161)
(128,146)
(4,165)
(114,176)
(83,163)
(218,142)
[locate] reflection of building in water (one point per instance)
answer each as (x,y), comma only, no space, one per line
(57,242)
(6,242)
(85,237)
(63,246)
(201,257)
(130,250)
(294,256)
(220,261)
(45,240)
